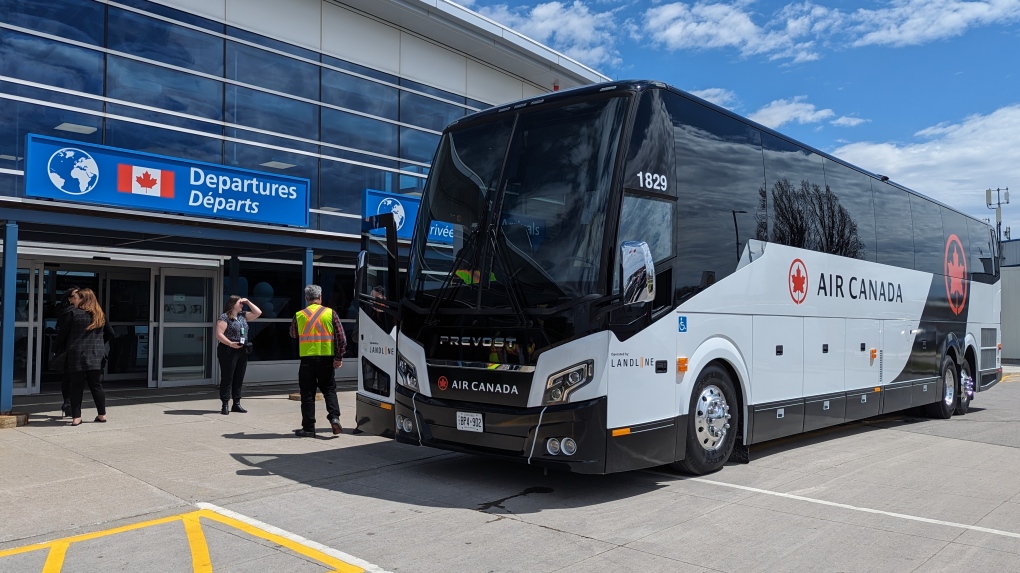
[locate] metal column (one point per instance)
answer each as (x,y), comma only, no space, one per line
(8,274)
(306,269)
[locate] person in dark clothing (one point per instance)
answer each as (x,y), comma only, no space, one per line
(71,300)
(232,332)
(321,345)
(83,339)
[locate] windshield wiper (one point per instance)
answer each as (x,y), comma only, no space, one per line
(512,286)
(445,290)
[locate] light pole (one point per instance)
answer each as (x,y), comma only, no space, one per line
(736,231)
(1001,198)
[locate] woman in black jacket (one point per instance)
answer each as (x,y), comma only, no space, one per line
(63,323)
(84,340)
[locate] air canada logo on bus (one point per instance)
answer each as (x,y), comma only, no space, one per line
(798,281)
(956,274)
(474,386)
(858,288)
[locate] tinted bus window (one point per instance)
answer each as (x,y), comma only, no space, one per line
(719,179)
(846,213)
(893,235)
(981,260)
(929,241)
(650,157)
(956,238)
(795,181)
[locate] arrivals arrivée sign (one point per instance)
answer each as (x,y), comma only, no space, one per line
(99,175)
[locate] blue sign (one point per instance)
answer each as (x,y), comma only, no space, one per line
(98,175)
(683,324)
(405,213)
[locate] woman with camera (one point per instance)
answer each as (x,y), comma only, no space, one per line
(232,351)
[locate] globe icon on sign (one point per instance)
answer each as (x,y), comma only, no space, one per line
(391,205)
(73,171)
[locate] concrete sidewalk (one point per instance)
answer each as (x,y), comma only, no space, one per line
(419,509)
(161,452)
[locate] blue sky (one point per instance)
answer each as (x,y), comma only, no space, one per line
(924,91)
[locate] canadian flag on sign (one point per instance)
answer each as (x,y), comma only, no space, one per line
(145,181)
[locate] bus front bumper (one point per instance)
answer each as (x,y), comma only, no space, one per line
(509,433)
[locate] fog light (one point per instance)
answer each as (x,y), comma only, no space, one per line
(568,446)
(407,425)
(552,445)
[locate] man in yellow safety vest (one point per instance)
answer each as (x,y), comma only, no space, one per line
(321,345)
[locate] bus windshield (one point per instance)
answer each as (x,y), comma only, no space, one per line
(515,210)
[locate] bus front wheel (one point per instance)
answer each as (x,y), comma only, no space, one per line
(711,423)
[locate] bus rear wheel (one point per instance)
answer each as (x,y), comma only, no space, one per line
(966,389)
(946,405)
(711,423)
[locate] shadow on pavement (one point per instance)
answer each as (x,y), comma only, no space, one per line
(394,472)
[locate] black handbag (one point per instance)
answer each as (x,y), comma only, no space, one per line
(248,347)
(59,362)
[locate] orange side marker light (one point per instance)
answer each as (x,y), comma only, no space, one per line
(681,364)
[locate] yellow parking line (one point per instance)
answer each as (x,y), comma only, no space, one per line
(200,558)
(87,536)
(55,560)
(338,565)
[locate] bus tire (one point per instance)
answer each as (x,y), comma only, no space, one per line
(946,405)
(963,400)
(712,423)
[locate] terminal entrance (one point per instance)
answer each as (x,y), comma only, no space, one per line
(162,318)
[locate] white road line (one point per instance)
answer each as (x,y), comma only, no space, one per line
(294,537)
(861,509)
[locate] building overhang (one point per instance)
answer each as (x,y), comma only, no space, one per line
(477,36)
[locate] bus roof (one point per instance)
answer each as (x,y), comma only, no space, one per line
(641,85)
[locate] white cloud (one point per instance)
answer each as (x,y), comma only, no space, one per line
(799,31)
(719,96)
(955,163)
(847,121)
(679,26)
(783,111)
(571,28)
(913,22)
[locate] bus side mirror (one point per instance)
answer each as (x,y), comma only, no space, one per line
(638,274)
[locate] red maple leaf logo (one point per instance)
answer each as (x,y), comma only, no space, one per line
(798,281)
(146,181)
(956,273)
(443,383)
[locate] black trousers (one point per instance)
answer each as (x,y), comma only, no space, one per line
(233,363)
(78,380)
(316,373)
(65,389)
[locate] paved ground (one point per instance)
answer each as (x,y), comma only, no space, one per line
(893,494)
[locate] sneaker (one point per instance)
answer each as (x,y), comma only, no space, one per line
(337,428)
(304,433)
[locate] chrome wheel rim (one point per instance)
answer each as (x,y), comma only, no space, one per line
(949,387)
(711,418)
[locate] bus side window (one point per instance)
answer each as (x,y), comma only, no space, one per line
(719,177)
(893,235)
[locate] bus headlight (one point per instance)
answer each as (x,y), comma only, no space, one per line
(560,385)
(407,374)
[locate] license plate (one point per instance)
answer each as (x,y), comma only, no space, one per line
(470,422)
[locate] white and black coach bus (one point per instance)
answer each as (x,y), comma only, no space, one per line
(624,275)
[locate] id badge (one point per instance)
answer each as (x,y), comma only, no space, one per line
(242,340)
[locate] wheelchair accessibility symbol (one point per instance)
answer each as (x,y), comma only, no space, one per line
(683,324)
